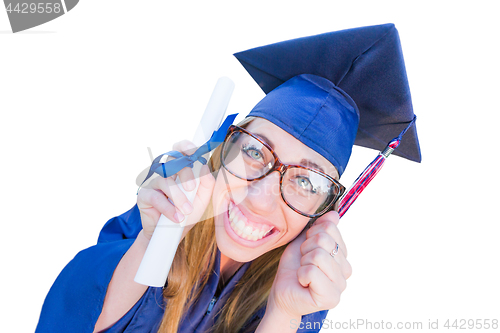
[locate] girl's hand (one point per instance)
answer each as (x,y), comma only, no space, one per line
(163,196)
(309,279)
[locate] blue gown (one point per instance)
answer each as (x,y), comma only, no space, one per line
(75,300)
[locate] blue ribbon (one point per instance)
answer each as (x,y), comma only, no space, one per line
(181,161)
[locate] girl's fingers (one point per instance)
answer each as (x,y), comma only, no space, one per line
(153,203)
(177,205)
(326,223)
(326,243)
(166,196)
(204,194)
(170,188)
(324,292)
(207,183)
(328,265)
(185,146)
(186,177)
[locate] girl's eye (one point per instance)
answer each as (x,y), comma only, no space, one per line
(305,184)
(253,153)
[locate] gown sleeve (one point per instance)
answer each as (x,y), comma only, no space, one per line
(310,323)
(75,300)
(126,226)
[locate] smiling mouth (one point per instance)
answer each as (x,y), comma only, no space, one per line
(246,229)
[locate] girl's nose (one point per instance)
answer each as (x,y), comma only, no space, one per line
(264,195)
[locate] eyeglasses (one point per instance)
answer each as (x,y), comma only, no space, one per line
(307,191)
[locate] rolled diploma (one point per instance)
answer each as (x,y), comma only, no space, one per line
(160,253)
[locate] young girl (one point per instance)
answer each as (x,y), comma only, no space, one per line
(268,255)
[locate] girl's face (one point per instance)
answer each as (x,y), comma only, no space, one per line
(257,205)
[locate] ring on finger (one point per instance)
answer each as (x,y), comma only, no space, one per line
(335,250)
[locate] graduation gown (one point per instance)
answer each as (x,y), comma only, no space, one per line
(75,300)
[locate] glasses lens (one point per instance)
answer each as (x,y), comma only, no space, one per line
(307,191)
(304,189)
(246,157)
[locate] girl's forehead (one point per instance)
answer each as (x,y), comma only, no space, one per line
(288,148)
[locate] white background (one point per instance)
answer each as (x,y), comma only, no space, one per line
(83,96)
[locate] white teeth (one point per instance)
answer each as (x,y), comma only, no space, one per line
(256,234)
(248,230)
(242,229)
(240,224)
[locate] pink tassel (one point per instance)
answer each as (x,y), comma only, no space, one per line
(366,177)
(369,173)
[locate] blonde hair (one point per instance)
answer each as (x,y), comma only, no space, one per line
(193,264)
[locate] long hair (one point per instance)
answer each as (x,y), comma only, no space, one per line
(191,268)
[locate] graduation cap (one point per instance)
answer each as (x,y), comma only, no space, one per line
(337,89)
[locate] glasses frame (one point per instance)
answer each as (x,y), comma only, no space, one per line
(281,168)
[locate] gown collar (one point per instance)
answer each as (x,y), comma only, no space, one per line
(197,319)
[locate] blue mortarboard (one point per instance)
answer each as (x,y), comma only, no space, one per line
(333,90)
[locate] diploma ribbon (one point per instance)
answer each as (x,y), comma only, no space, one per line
(181,161)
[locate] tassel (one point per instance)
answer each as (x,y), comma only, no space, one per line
(369,173)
